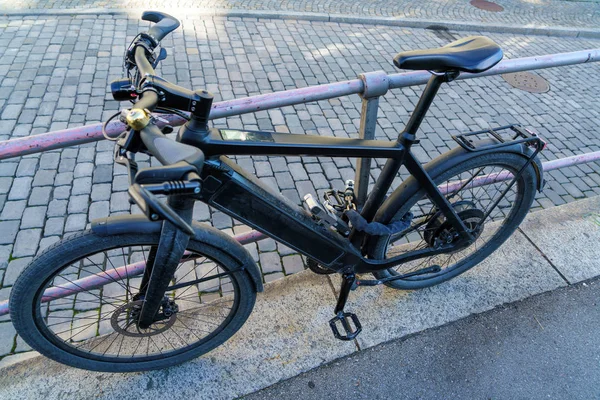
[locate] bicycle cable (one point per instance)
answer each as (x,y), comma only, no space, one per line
(167,110)
(105,124)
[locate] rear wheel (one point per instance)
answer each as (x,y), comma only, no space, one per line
(474,205)
(78,303)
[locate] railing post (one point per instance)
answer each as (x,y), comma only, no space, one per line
(375,84)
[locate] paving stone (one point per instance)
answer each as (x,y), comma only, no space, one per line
(54,226)
(63,178)
(273,277)
(57,208)
(284,180)
(78,204)
(82,185)
(99,209)
(13,210)
(49,160)
(33,217)
(201,211)
(44,177)
(103,174)
(20,189)
(7,337)
(267,245)
(221,220)
(8,169)
(75,222)
(263,168)
(298,172)
(40,195)
(83,169)
(293,264)
(101,192)
(5,184)
(66,164)
(27,242)
(270,262)
(8,231)
(15,267)
(119,202)
(47,242)
(21,346)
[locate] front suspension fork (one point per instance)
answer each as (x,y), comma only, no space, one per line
(163,261)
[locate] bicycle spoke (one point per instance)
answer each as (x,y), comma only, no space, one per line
(105,315)
(470,194)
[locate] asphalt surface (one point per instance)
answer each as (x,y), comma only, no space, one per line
(545,347)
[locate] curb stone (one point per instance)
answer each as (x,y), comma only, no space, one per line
(557,31)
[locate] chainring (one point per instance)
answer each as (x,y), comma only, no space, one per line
(317,269)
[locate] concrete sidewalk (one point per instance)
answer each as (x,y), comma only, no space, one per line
(545,346)
(287,333)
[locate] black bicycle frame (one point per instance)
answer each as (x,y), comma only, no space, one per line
(242,196)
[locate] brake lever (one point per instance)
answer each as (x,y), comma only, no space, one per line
(122,158)
(155,209)
(161,56)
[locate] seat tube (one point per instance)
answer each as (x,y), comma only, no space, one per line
(405,140)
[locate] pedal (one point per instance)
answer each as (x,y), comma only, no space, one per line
(349,323)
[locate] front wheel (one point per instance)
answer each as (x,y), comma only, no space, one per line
(491,224)
(78,303)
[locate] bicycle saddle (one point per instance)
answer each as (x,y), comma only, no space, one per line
(471,54)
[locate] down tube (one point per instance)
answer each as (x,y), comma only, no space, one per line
(244,197)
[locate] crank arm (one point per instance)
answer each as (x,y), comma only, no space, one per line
(374,282)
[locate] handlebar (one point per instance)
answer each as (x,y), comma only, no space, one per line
(165,24)
(142,63)
(168,151)
(180,160)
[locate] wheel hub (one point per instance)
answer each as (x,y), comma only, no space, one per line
(439,231)
(124,319)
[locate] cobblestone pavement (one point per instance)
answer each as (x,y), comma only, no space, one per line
(516,12)
(54,73)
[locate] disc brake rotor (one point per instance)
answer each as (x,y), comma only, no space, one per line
(124,321)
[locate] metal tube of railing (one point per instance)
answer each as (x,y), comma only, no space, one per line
(91,133)
(505,67)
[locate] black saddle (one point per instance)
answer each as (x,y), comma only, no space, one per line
(471,54)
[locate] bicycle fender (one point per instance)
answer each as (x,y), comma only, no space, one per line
(454,157)
(203,233)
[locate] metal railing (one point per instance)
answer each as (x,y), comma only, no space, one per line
(370,86)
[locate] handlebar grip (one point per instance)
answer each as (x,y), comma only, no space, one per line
(165,24)
(168,151)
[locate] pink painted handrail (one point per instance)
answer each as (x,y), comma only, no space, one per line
(127,271)
(91,133)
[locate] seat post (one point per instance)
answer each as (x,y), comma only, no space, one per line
(407,137)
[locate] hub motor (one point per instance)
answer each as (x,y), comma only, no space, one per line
(439,231)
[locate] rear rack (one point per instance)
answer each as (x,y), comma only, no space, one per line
(513,134)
